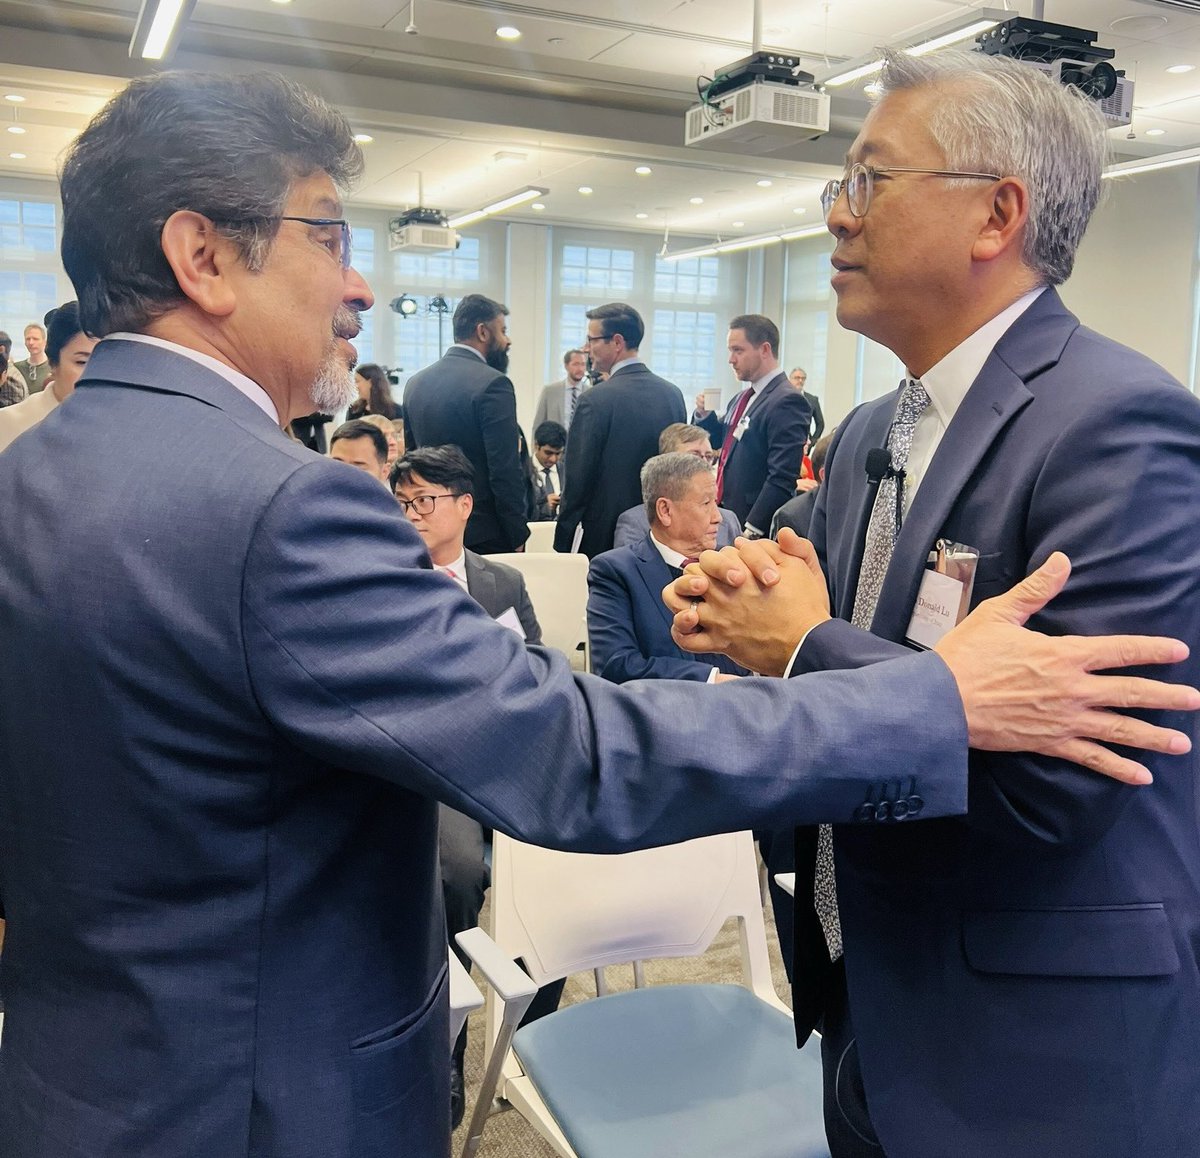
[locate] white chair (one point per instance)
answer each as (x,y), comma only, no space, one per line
(541,538)
(701,1070)
(557,586)
(464,995)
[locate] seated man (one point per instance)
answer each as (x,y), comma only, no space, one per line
(434,486)
(797,511)
(628,627)
(359,444)
(545,469)
(679,436)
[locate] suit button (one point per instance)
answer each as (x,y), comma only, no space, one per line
(864,812)
(900,809)
(915,804)
(883,810)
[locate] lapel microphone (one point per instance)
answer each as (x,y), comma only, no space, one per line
(879,466)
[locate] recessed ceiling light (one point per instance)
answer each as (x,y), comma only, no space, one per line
(281,1)
(585,190)
(15,97)
(18,129)
(1155,132)
(555,40)
(643,170)
(509,157)
(17,156)
(799,209)
(1175,68)
(360,138)
(696,200)
(641,216)
(764,183)
(738,224)
(508,32)
(538,206)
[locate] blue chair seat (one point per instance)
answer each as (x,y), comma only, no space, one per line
(695,1070)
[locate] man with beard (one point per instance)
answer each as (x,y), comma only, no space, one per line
(465,399)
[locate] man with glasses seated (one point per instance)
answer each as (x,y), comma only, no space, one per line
(687,439)
(434,486)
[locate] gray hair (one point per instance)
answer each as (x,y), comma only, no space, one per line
(227,147)
(667,476)
(1009,118)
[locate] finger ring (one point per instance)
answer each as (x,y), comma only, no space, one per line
(696,601)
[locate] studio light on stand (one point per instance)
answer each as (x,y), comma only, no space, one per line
(405,305)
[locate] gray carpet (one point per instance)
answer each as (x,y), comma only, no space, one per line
(507,1134)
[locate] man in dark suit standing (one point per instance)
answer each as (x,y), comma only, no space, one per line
(1025,979)
(466,399)
(616,428)
(798,378)
(761,435)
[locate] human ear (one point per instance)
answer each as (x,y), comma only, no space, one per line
(1007,213)
(201,260)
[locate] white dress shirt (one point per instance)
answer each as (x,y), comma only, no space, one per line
(456,570)
(673,558)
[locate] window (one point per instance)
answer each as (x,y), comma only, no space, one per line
(694,279)
(684,341)
(422,338)
(29,265)
(438,271)
(806,317)
(28,229)
(600,273)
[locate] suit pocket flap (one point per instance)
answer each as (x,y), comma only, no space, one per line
(1117,941)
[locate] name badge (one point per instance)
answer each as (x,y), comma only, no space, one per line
(944,596)
(741,427)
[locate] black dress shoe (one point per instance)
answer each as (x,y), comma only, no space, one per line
(458,1097)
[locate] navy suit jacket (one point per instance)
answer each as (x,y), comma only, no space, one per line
(764,463)
(463,401)
(1025,980)
(244,688)
(615,429)
(629,626)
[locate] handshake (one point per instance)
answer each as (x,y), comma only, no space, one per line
(1021,690)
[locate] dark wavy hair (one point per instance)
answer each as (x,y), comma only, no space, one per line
(380,399)
(62,325)
(228,147)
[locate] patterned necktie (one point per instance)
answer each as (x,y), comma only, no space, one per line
(877,554)
(739,409)
(571,400)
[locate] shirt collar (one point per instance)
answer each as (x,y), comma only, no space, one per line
(235,378)
(947,383)
(458,566)
(464,346)
(671,557)
(630,361)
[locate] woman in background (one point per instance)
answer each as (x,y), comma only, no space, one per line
(374,394)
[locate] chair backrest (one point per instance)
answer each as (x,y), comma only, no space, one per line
(564,912)
(557,586)
(541,538)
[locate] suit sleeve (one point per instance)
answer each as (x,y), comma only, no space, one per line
(628,531)
(496,410)
(617,653)
(358,654)
(525,613)
(715,427)
(787,428)
(1117,493)
(583,470)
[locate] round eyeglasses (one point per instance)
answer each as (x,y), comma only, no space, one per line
(422,504)
(859,183)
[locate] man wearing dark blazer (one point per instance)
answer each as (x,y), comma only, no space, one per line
(466,399)
(798,377)
(616,428)
(629,626)
(761,436)
(1023,980)
(218,816)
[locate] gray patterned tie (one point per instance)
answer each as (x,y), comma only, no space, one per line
(571,401)
(882,530)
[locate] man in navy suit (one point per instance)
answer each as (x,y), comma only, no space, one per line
(761,436)
(1023,980)
(466,399)
(238,670)
(616,428)
(629,626)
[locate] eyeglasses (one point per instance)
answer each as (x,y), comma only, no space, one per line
(587,341)
(423,504)
(859,183)
(338,244)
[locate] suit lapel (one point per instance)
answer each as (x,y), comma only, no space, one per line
(875,435)
(757,400)
(1033,343)
(655,574)
(481,585)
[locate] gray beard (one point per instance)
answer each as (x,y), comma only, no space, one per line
(334,387)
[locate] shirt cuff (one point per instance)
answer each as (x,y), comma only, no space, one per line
(787,671)
(712,676)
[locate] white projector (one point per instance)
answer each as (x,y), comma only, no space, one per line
(764,117)
(422,237)
(1117,109)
